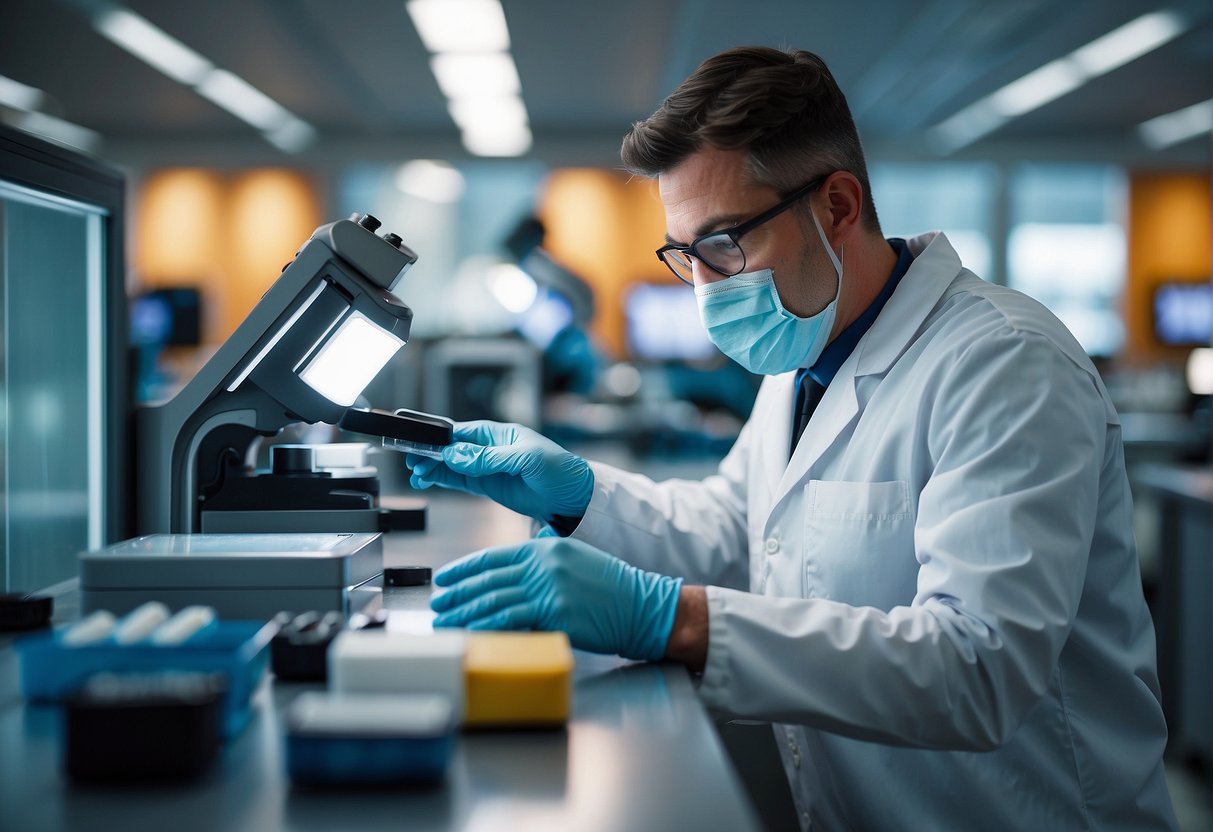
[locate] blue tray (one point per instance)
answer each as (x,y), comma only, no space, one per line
(51,670)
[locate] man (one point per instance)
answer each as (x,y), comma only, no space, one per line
(937,595)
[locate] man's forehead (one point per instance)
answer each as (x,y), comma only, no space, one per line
(710,189)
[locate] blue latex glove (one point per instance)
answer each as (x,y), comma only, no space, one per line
(513,465)
(554,583)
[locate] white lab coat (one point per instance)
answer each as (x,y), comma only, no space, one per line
(938,599)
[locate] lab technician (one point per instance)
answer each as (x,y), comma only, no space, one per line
(917,560)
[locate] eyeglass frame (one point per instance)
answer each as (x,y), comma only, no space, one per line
(736,232)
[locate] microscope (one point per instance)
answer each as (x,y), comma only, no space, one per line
(305,352)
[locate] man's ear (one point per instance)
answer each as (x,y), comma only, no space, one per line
(845,197)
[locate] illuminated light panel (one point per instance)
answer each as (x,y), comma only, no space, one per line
(460,25)
(153,45)
(1059,77)
(1179,126)
(345,365)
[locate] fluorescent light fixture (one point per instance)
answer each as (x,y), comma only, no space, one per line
(354,355)
(484,113)
(1037,88)
(19,96)
(292,136)
(242,99)
(1178,126)
(430,180)
(505,141)
(1134,39)
(61,131)
(1056,78)
(460,25)
(463,74)
(152,45)
(512,287)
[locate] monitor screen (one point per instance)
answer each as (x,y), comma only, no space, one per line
(170,317)
(1183,314)
(663,324)
(549,314)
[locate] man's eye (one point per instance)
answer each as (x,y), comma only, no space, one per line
(718,245)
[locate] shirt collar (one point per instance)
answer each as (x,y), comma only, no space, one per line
(837,352)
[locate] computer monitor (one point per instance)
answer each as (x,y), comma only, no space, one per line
(663,324)
(1183,313)
(169,317)
(550,313)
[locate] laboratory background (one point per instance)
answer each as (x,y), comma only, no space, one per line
(165,163)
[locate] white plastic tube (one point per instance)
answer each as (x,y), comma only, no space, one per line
(93,628)
(183,625)
(139,623)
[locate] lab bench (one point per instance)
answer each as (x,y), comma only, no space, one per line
(639,751)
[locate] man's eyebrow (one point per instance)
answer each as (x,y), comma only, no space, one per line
(719,223)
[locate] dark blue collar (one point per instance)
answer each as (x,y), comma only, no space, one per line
(838,350)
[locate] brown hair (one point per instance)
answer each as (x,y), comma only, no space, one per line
(784,107)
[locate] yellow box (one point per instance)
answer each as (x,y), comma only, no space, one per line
(514,679)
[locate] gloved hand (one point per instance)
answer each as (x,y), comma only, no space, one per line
(513,465)
(554,583)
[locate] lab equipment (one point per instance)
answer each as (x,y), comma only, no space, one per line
(368,739)
(329,487)
(299,650)
(240,575)
(404,430)
(375,661)
(140,622)
(143,727)
(512,465)
(305,352)
(96,627)
(556,583)
(19,611)
(53,669)
(186,624)
(516,679)
(407,575)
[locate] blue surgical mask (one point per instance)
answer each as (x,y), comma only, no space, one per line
(746,320)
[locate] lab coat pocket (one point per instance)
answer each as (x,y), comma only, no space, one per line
(859,543)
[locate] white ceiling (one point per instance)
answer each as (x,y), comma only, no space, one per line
(357,72)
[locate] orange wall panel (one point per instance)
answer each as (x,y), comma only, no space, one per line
(1170,227)
(605,226)
(229,235)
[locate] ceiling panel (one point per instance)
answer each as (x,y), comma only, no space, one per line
(358,73)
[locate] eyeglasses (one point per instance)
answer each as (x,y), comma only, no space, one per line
(721,250)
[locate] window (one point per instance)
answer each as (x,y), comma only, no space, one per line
(1066,247)
(956,198)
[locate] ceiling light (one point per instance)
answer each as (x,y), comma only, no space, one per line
(461,74)
(19,96)
(152,45)
(242,99)
(1056,78)
(1134,39)
(486,112)
(501,141)
(292,136)
(430,180)
(460,25)
(1178,126)
(1037,88)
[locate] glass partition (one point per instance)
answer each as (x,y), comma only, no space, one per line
(62,401)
